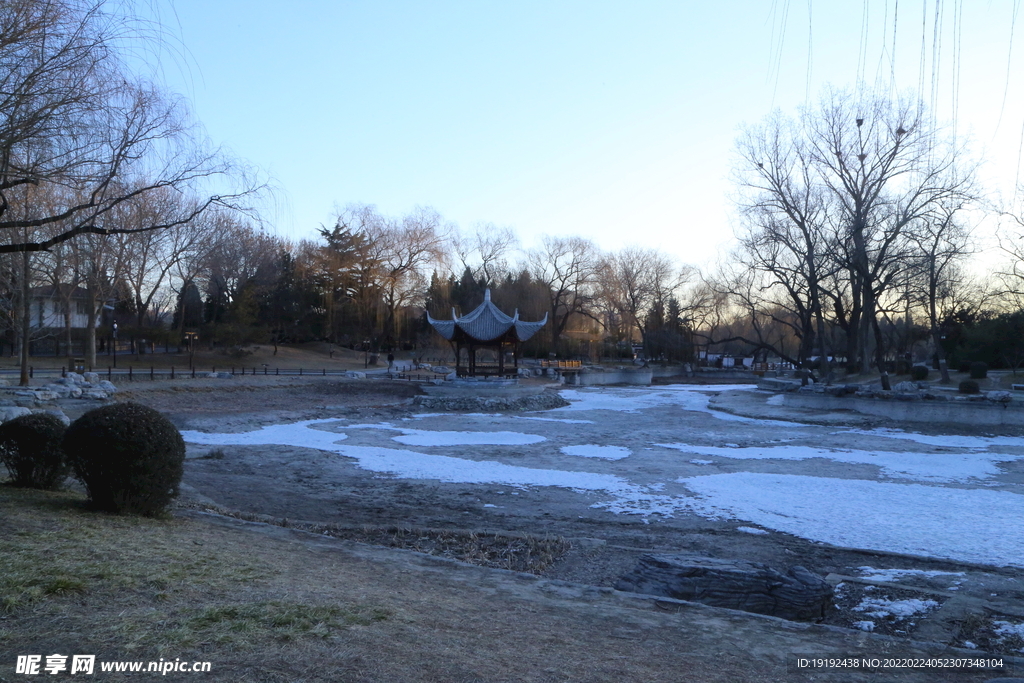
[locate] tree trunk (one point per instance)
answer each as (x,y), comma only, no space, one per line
(941,354)
(90,332)
(26,317)
(880,355)
(67,333)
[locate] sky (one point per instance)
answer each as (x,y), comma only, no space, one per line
(614,121)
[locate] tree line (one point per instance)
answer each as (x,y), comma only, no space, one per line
(857,223)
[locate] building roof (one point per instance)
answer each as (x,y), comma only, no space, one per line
(486,323)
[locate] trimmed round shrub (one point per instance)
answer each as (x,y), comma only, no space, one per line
(30,447)
(969,386)
(919,373)
(979,370)
(129,457)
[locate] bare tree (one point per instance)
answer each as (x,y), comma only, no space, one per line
(874,167)
(152,257)
(941,245)
(633,280)
(485,253)
(568,267)
(785,232)
(398,254)
(72,116)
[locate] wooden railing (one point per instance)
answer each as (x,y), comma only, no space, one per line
(561,364)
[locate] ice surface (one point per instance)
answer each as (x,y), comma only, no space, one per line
(693,398)
(427,437)
(629,498)
(948,467)
(595,451)
(971,525)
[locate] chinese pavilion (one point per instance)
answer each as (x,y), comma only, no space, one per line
(488,328)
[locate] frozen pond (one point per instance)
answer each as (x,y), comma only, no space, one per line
(662,454)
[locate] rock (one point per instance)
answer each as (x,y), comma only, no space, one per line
(61,390)
(11,412)
(95,394)
(44,395)
(999,396)
(59,414)
(352,374)
(906,388)
(91,377)
(106,386)
(222,375)
(748,586)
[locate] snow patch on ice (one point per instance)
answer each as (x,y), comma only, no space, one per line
(941,467)
(1007,628)
(864,625)
(295,434)
(951,441)
(595,451)
(893,575)
(703,462)
(776,400)
(555,419)
(752,530)
(881,608)
(971,525)
(628,498)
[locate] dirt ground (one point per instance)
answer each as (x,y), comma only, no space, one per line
(301,484)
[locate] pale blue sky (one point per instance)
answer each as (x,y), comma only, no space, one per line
(615,121)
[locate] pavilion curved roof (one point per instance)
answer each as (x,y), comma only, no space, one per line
(486,323)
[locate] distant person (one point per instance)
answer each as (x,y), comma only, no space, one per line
(391,360)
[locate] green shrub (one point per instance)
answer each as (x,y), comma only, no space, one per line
(129,457)
(979,370)
(969,386)
(30,447)
(919,373)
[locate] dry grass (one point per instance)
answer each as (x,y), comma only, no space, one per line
(163,586)
(51,545)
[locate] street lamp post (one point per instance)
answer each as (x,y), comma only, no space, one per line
(191,338)
(115,342)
